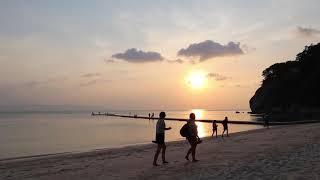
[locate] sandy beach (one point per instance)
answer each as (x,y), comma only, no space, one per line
(284,152)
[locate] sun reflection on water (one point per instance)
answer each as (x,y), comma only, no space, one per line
(201,127)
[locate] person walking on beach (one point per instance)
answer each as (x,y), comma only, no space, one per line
(214,128)
(160,131)
(266,120)
(192,137)
(225,126)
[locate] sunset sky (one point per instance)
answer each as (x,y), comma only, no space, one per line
(146,54)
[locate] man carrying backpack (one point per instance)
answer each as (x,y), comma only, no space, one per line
(190,131)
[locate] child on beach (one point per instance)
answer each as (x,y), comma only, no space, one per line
(225,126)
(192,137)
(214,128)
(160,130)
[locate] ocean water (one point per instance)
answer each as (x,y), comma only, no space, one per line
(36,133)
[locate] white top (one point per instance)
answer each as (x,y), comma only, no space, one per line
(161,125)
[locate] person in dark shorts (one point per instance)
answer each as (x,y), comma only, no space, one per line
(225,126)
(192,137)
(160,137)
(214,128)
(266,120)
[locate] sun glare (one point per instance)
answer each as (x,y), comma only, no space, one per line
(198,113)
(197,79)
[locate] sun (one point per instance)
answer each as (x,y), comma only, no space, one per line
(196,79)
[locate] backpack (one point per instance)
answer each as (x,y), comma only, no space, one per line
(184,131)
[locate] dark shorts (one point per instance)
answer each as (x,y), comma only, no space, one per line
(192,139)
(160,138)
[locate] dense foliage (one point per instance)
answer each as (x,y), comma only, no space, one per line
(292,85)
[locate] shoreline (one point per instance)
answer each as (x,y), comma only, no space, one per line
(48,155)
(251,154)
(147,144)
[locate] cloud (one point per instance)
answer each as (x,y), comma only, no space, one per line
(33,83)
(109,61)
(137,56)
(217,77)
(94,82)
(46,82)
(307,32)
(179,61)
(90,75)
(247,49)
(210,49)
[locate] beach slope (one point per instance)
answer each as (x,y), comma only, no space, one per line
(286,152)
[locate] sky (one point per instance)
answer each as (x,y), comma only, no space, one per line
(145,54)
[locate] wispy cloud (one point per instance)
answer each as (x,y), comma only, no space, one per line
(179,61)
(94,82)
(217,77)
(307,32)
(209,49)
(91,75)
(109,61)
(35,83)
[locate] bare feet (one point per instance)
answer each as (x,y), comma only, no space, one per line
(155,164)
(187,158)
(165,162)
(195,160)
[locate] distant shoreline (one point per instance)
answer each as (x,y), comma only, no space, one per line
(271,123)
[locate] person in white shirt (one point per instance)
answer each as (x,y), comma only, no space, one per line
(160,131)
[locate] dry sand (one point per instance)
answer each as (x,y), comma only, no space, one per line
(286,152)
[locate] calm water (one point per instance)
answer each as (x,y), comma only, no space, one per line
(26,134)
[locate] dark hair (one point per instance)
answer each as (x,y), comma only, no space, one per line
(214,121)
(192,116)
(162,115)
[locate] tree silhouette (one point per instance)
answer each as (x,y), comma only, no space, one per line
(291,86)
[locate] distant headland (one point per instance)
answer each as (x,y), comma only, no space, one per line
(291,87)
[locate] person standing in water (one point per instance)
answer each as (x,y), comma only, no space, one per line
(192,137)
(160,131)
(225,126)
(214,128)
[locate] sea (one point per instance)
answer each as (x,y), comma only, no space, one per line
(24,134)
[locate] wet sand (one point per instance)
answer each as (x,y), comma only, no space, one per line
(285,152)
